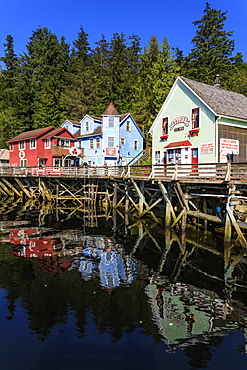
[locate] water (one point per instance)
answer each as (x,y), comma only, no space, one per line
(80,291)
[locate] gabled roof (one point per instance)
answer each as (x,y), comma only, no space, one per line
(111,110)
(57,132)
(98,131)
(31,134)
(76,123)
(222,102)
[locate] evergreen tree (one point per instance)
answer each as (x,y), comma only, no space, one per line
(44,69)
(213,48)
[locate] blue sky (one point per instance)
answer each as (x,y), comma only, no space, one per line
(170,18)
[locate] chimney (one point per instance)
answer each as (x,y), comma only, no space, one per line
(217,81)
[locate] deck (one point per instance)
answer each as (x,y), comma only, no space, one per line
(188,173)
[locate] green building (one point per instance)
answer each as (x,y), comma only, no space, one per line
(200,123)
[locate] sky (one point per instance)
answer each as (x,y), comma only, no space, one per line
(163,18)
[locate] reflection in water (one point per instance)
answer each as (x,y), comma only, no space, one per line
(185,291)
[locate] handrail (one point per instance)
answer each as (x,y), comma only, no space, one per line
(191,171)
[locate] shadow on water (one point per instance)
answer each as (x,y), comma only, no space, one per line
(118,277)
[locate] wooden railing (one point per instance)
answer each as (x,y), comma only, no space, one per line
(186,172)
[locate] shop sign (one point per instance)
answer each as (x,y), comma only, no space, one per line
(111,151)
(229,146)
(207,148)
(182,119)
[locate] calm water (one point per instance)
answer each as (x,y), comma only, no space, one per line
(80,291)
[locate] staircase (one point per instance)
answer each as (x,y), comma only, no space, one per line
(141,157)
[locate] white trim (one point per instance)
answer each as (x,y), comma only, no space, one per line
(49,143)
(24,146)
(113,146)
(32,147)
(135,141)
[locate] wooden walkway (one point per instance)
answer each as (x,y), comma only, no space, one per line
(213,172)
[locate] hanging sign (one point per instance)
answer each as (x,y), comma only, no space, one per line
(110,151)
(74,151)
(22,154)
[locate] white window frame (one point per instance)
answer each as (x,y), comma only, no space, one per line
(128,125)
(22,145)
(59,160)
(97,143)
(11,147)
(66,141)
(122,141)
(91,143)
(109,140)
(86,126)
(111,121)
(47,143)
(157,156)
(164,132)
(32,144)
(135,144)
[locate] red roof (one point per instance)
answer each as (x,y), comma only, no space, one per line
(178,144)
(31,134)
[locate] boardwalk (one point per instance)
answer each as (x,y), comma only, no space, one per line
(216,172)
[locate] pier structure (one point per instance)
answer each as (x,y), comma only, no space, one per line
(209,195)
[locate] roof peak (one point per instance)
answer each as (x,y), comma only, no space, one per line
(111,110)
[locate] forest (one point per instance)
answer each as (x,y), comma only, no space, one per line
(53,81)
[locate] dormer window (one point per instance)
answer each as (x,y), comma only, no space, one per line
(128,126)
(86,126)
(195,118)
(111,121)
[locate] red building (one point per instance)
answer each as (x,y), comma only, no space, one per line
(48,146)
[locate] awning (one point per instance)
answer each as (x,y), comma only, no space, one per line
(176,144)
(42,157)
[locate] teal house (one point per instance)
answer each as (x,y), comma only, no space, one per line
(200,123)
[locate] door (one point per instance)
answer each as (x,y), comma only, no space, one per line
(194,159)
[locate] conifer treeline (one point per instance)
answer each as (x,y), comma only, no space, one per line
(53,80)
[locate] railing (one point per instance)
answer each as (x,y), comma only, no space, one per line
(188,172)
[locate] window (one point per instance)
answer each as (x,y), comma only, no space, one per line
(23,163)
(135,145)
(11,147)
(91,146)
(97,142)
(57,162)
(32,143)
(128,126)
(86,126)
(195,118)
(110,141)
(47,143)
(164,130)
(122,141)
(157,157)
(111,121)
(64,142)
(22,145)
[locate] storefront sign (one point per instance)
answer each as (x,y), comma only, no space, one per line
(74,151)
(229,146)
(207,148)
(184,120)
(110,151)
(22,154)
